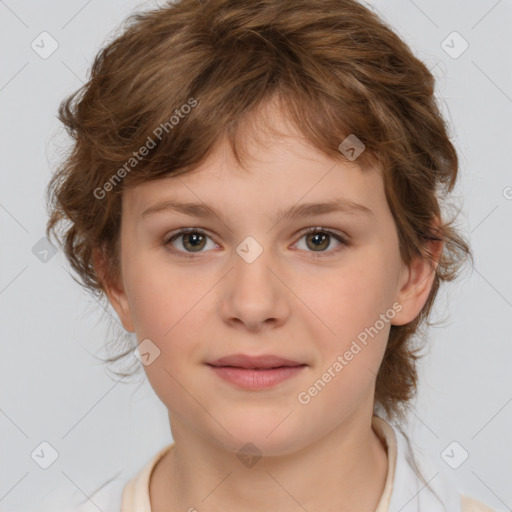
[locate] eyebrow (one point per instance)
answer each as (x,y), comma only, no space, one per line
(203,210)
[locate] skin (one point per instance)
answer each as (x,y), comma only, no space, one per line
(322,456)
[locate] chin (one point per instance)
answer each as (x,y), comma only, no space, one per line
(257,438)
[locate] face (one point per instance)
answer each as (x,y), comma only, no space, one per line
(243,282)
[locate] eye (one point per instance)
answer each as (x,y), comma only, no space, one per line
(320,238)
(193,240)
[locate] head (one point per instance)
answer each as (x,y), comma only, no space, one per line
(251,108)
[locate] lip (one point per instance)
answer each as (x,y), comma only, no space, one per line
(265,361)
(251,379)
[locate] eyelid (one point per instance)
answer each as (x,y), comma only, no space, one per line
(325,229)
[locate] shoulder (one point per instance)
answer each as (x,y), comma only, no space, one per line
(469,504)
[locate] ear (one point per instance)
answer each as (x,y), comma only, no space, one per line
(415,283)
(114,289)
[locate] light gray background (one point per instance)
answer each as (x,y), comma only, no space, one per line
(54,390)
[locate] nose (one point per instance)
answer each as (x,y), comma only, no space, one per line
(254,295)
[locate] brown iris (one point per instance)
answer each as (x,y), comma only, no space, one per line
(197,241)
(320,240)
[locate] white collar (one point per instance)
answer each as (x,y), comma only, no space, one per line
(407,489)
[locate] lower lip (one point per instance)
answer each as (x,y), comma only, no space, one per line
(256,379)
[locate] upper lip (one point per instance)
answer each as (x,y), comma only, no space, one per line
(262,361)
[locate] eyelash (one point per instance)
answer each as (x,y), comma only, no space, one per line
(320,254)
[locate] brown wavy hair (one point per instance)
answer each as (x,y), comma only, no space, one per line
(188,74)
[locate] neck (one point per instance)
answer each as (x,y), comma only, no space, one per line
(344,471)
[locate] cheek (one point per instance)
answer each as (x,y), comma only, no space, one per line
(357,307)
(352,297)
(161,295)
(355,303)
(169,320)
(167,308)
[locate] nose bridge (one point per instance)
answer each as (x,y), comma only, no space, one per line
(252,293)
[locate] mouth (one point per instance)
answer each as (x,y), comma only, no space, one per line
(253,378)
(259,362)
(263,369)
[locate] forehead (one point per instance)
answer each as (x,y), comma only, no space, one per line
(280,168)
(267,188)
